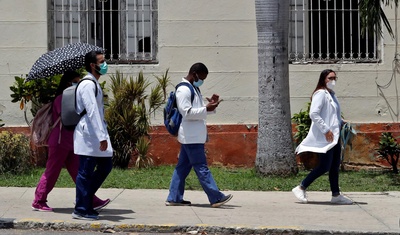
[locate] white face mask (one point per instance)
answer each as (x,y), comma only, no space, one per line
(331,84)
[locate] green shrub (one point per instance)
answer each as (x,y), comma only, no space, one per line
(389,150)
(128,116)
(14,153)
(303,123)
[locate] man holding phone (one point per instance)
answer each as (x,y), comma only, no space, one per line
(192,135)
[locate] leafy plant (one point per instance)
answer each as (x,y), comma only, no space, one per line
(14,153)
(142,147)
(37,91)
(389,150)
(303,123)
(128,116)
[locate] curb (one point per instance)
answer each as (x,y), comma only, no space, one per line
(192,229)
(6,223)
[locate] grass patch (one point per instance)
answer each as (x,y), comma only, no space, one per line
(235,179)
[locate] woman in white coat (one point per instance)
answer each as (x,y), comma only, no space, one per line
(323,138)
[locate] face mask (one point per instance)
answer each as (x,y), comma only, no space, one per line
(74,83)
(199,82)
(102,69)
(331,84)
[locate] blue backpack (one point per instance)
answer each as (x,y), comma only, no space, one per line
(172,117)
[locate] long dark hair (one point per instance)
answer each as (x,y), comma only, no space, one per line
(65,81)
(321,82)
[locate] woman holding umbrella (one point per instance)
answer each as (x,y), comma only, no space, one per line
(61,152)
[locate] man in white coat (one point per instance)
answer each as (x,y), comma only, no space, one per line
(192,135)
(91,140)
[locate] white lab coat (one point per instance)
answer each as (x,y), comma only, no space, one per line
(324,117)
(193,129)
(92,128)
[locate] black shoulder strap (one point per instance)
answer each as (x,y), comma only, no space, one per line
(89,80)
(76,89)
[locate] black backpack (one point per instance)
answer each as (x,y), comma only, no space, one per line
(69,117)
(172,117)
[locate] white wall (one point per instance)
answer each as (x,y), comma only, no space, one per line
(23,39)
(221,34)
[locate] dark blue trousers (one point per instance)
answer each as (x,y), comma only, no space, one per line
(329,161)
(91,175)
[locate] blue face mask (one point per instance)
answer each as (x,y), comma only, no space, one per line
(74,83)
(199,82)
(103,68)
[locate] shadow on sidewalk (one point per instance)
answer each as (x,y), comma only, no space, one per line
(114,215)
(226,206)
(330,204)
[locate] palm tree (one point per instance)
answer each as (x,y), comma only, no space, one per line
(275,153)
(372,14)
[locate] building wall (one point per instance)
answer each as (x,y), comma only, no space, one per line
(23,39)
(221,34)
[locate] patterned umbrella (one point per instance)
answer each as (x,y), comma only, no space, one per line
(69,57)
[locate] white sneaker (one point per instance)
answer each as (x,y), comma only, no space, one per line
(341,200)
(300,194)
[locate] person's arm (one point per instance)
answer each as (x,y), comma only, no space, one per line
(317,104)
(185,107)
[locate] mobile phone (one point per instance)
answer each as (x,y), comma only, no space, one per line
(215,97)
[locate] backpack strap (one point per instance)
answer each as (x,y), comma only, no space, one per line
(76,90)
(188,85)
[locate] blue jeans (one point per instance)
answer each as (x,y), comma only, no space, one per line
(329,161)
(193,155)
(89,180)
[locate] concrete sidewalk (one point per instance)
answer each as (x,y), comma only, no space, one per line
(248,212)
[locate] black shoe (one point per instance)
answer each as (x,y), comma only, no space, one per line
(94,212)
(77,215)
(222,201)
(182,203)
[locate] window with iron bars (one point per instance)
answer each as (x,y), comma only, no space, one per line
(126,29)
(328,31)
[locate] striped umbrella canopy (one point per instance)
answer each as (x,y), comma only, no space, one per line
(69,57)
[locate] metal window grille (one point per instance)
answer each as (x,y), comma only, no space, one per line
(328,31)
(127,29)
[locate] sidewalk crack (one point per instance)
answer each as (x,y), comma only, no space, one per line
(201,221)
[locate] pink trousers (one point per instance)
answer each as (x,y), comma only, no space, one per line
(57,158)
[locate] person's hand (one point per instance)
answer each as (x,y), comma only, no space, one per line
(211,106)
(213,102)
(214,98)
(103,145)
(329,136)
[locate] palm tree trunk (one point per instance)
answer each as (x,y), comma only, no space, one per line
(275,153)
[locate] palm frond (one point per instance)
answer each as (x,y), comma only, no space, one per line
(371,15)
